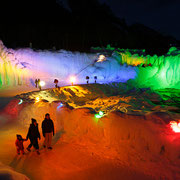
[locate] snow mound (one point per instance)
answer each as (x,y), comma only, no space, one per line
(7,173)
(141,138)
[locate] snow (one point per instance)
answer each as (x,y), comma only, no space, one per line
(133,139)
(23,66)
(7,173)
(139,144)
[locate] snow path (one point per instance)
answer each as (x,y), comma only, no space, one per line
(65,161)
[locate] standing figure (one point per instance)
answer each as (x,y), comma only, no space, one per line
(56,82)
(95,78)
(87,78)
(36,82)
(33,135)
(48,131)
(19,144)
(39,85)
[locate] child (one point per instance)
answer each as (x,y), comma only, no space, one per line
(19,144)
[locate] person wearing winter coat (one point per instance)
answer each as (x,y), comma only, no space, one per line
(47,131)
(19,144)
(33,135)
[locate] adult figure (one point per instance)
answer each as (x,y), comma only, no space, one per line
(33,135)
(39,84)
(36,82)
(48,131)
(56,82)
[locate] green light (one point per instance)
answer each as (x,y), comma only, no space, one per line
(101,113)
(97,116)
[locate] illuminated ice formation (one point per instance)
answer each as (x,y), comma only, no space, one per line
(12,70)
(153,71)
(23,66)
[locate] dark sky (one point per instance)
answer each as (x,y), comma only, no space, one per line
(161,15)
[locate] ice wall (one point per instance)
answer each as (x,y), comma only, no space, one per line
(25,65)
(12,71)
(156,72)
(166,74)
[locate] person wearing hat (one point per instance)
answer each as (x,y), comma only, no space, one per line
(47,131)
(33,135)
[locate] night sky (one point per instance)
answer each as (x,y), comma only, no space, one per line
(161,15)
(78,25)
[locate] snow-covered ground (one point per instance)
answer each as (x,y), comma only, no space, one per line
(136,144)
(133,138)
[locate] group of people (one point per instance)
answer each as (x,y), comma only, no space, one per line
(33,135)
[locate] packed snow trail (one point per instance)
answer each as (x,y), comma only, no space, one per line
(66,161)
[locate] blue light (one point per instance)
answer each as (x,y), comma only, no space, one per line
(61,104)
(20,102)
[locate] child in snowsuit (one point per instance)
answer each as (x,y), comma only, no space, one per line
(19,144)
(33,135)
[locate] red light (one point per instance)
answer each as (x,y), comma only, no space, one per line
(175,126)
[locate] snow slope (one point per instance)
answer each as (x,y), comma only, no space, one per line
(7,173)
(140,140)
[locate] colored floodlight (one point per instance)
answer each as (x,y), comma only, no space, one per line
(42,83)
(72,79)
(97,116)
(60,105)
(37,99)
(101,113)
(101,58)
(20,102)
(175,126)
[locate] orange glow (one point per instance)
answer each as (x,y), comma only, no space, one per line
(101,58)
(175,126)
(37,99)
(72,79)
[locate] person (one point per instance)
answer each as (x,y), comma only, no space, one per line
(33,135)
(19,144)
(36,82)
(56,83)
(95,78)
(39,84)
(47,131)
